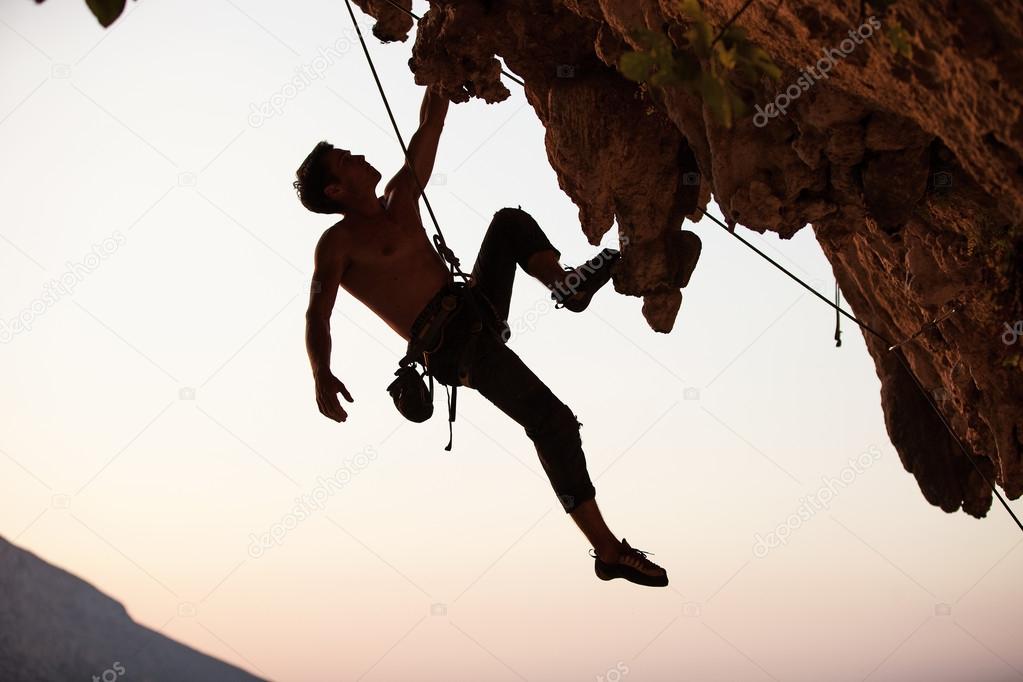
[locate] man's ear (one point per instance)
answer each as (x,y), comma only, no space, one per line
(335,192)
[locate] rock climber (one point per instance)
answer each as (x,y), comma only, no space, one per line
(380,253)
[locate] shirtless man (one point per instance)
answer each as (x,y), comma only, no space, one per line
(381,254)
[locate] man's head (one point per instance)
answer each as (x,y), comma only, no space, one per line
(334,180)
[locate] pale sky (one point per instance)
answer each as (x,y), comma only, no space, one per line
(159,412)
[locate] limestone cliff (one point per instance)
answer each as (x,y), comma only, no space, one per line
(907,165)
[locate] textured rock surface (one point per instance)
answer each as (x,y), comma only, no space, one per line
(54,626)
(908,169)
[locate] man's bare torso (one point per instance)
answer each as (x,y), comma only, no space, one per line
(392,266)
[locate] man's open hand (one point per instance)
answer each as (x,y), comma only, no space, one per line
(327,388)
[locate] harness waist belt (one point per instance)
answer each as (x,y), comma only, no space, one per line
(428,328)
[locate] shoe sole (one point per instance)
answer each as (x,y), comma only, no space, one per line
(605,572)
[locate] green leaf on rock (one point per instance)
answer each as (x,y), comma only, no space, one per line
(898,39)
(700,65)
(635,65)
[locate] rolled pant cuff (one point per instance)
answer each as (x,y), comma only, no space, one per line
(571,502)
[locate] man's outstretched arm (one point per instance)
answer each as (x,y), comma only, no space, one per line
(327,271)
(422,148)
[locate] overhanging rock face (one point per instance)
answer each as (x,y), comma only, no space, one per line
(908,168)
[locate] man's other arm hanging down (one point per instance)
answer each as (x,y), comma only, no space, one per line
(329,265)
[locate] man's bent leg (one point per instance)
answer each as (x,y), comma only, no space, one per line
(513,238)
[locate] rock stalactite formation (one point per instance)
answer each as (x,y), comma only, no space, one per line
(907,166)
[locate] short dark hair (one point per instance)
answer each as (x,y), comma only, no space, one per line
(312,178)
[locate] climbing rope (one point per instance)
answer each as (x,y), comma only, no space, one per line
(895,348)
(932,323)
(438,239)
(838,318)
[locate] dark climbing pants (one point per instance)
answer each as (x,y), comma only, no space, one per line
(498,373)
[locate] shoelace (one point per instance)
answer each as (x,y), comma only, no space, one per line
(559,301)
(592,265)
(631,550)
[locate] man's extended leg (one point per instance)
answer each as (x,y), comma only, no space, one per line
(514,239)
(499,375)
(590,521)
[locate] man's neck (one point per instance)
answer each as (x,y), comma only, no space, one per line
(371,208)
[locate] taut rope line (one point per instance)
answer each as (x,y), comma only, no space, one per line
(892,347)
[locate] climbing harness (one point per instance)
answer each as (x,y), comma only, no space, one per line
(408,390)
(839,311)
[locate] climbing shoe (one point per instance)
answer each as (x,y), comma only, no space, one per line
(633,566)
(575,291)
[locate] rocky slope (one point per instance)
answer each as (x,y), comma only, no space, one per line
(55,626)
(907,167)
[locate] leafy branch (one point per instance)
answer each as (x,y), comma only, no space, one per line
(705,64)
(899,40)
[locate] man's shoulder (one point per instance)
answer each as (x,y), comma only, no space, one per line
(337,235)
(335,244)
